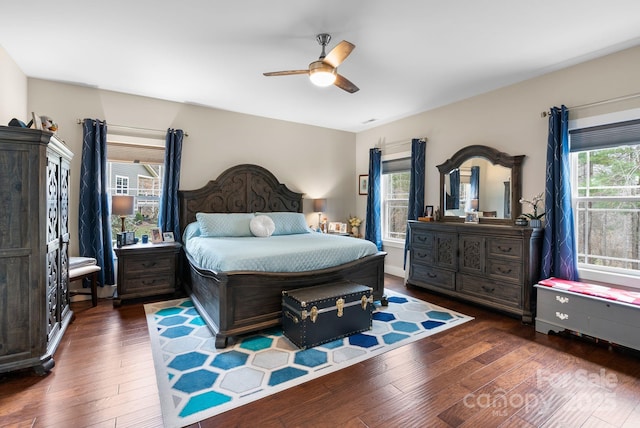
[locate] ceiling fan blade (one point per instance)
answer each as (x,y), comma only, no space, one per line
(344,83)
(339,53)
(286,73)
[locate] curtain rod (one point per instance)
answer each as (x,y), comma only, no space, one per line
(597,103)
(134,128)
(399,142)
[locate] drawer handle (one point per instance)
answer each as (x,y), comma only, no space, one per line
(421,238)
(421,255)
(562,299)
(432,275)
(503,270)
(504,250)
(562,316)
(488,289)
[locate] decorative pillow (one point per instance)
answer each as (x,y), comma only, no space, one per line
(221,224)
(262,226)
(288,223)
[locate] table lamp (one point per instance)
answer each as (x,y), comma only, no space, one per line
(319,205)
(122,205)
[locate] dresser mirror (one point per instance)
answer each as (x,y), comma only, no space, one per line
(484,180)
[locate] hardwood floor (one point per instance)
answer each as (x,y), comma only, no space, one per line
(492,371)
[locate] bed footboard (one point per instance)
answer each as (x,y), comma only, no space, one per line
(243,302)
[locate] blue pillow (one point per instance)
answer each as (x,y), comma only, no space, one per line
(288,223)
(221,224)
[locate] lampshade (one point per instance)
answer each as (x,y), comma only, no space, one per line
(321,74)
(474,204)
(319,205)
(122,205)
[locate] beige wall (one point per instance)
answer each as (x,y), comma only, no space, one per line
(13,90)
(507,119)
(316,161)
(325,163)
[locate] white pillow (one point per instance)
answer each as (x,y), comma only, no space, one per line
(262,226)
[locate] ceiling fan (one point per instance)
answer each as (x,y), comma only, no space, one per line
(324,71)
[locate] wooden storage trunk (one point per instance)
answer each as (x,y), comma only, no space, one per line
(316,315)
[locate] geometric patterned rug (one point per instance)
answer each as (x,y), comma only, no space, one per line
(197,381)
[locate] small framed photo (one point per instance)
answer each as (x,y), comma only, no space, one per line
(168,237)
(471,217)
(334,227)
(363,184)
(343,228)
(37,120)
(428,211)
(156,235)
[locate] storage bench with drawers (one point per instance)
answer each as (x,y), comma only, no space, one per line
(598,311)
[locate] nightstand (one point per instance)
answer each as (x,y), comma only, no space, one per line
(147,270)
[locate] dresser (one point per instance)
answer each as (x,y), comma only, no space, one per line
(34,239)
(147,270)
(492,265)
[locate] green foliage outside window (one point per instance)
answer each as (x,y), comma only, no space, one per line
(608,207)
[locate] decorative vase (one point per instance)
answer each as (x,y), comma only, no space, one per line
(535,222)
(355,231)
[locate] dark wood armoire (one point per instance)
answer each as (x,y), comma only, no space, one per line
(34,254)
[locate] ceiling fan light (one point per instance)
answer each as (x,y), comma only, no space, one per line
(321,74)
(322,78)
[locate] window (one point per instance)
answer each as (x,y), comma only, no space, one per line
(396,175)
(605,165)
(121,185)
(136,169)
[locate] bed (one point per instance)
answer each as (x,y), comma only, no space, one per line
(237,302)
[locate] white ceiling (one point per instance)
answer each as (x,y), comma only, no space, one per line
(410,55)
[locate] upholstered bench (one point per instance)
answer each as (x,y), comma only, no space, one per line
(84,267)
(598,311)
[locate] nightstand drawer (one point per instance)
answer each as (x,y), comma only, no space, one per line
(164,264)
(151,283)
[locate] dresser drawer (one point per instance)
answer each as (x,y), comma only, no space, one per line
(421,274)
(503,269)
(422,255)
(490,290)
(421,238)
(504,247)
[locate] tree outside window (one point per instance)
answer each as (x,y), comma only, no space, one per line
(607,208)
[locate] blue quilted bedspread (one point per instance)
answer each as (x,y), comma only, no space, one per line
(283,253)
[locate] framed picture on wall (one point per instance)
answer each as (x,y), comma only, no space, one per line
(363,184)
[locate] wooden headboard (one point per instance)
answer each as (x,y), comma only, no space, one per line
(242,188)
